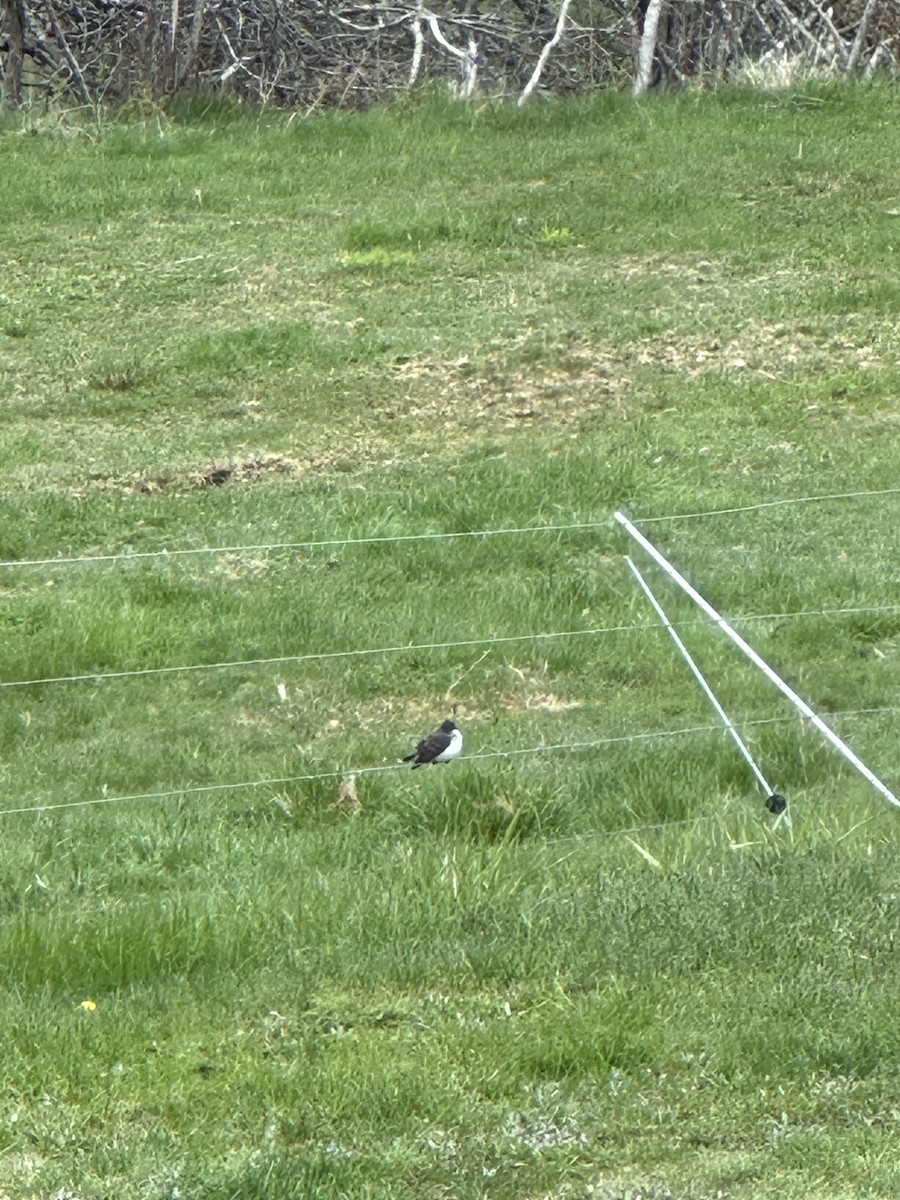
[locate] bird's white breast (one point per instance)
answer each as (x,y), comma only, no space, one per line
(453,750)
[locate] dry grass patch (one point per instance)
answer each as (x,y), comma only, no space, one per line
(769,351)
(576,385)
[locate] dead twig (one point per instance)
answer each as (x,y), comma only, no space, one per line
(545,53)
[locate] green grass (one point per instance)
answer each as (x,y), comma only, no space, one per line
(588,972)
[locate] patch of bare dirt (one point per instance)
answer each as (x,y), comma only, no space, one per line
(561,392)
(770,351)
(691,269)
(213,475)
(567,385)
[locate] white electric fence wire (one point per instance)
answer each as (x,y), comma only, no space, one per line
(493,754)
(502,639)
(246,785)
(387,539)
(318,656)
(329,543)
(781,503)
(759,662)
(700,677)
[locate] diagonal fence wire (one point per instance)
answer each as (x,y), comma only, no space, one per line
(707,690)
(758,661)
(701,678)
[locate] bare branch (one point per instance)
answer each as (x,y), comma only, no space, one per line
(468,58)
(825,17)
(545,53)
(11,93)
(67,54)
(419,45)
(860,40)
(647,48)
(439,37)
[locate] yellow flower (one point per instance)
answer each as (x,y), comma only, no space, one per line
(88,1005)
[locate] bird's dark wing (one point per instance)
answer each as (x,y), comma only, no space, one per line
(429,748)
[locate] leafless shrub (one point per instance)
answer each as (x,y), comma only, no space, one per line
(309,53)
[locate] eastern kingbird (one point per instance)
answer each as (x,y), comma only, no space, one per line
(439,747)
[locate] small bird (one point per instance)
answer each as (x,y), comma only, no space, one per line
(439,747)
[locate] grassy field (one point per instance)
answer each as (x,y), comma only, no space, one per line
(584,961)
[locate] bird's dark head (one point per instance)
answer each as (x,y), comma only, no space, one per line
(447,727)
